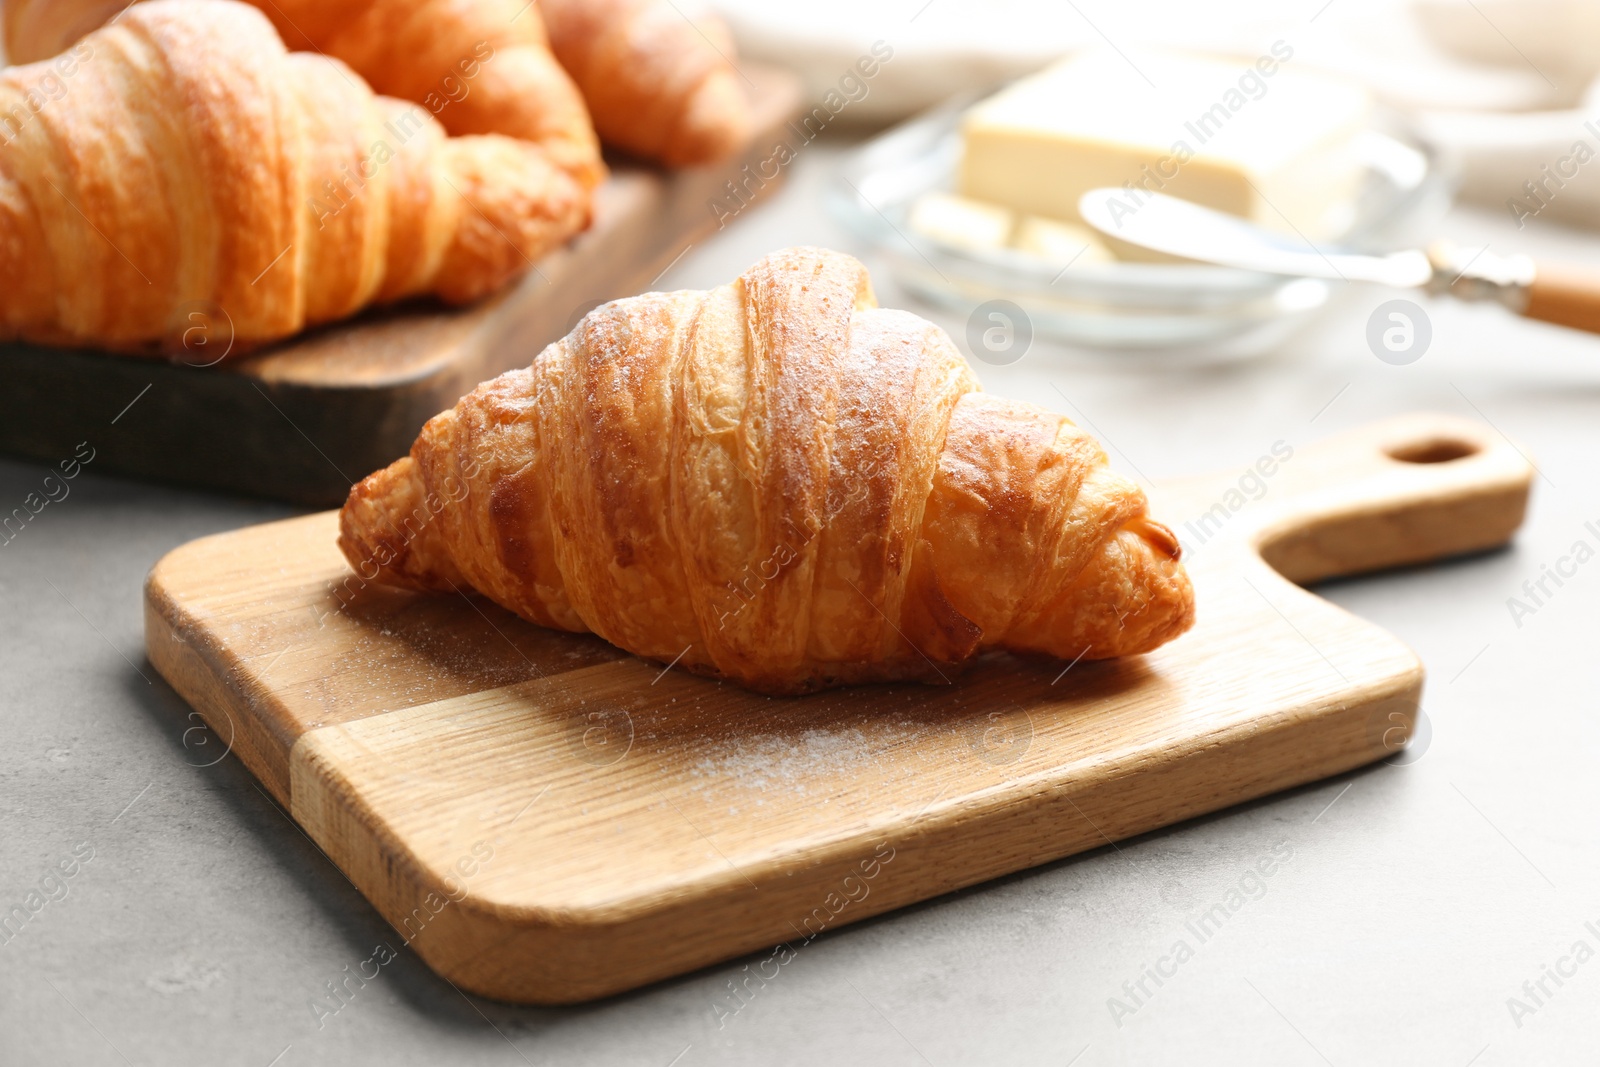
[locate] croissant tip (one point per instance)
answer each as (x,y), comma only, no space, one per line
(715,124)
(1160,536)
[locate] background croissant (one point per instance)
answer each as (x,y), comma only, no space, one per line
(776,482)
(657,85)
(183,155)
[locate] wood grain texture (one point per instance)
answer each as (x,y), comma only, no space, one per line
(304,420)
(546,819)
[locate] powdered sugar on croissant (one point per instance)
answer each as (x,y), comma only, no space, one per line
(780,483)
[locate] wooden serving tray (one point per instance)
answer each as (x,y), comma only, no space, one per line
(303,420)
(547,819)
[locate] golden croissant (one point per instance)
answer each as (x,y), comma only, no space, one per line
(656,84)
(183,157)
(779,483)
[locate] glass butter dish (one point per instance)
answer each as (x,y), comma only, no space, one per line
(1160,311)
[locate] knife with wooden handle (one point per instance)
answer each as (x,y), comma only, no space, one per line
(1562,294)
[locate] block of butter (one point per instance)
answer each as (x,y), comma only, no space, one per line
(1259,138)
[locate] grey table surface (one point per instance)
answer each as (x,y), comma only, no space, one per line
(1418,901)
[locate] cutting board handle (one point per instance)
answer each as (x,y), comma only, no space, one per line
(1403,491)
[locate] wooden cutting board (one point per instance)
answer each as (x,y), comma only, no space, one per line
(303,420)
(547,819)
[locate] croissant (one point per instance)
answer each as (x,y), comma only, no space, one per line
(779,483)
(40,29)
(657,85)
(182,155)
(482,66)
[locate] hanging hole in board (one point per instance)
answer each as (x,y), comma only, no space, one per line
(1433,450)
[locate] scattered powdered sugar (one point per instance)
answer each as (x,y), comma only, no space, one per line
(795,764)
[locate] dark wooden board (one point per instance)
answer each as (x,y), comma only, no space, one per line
(303,420)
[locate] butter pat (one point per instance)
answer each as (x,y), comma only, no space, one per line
(961,222)
(1257,139)
(1061,244)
